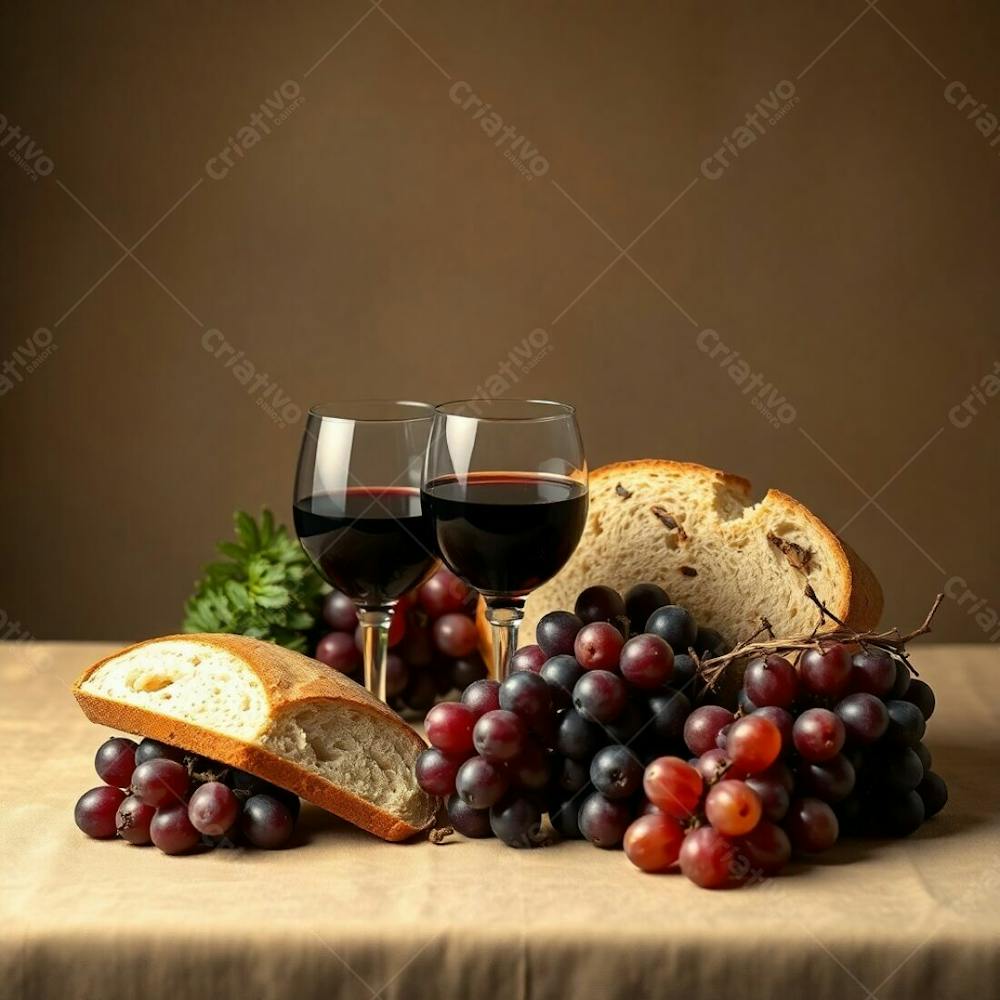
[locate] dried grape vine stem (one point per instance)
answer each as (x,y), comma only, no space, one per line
(890,641)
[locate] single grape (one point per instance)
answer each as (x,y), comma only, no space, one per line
(467,821)
(703,725)
(826,671)
(818,735)
(449,728)
(527,695)
(339,612)
(743,702)
(900,769)
(171,829)
(864,716)
(616,772)
(925,756)
(646,662)
(455,634)
(556,633)
(906,724)
(528,658)
(653,842)
(601,604)
(673,786)
(468,670)
(781,773)
(901,813)
(435,771)
(572,775)
(531,770)
(641,601)
(339,651)
(774,796)
(479,783)
(675,626)
(499,736)
(600,696)
(115,761)
(933,792)
(397,675)
(873,672)
(669,712)
(685,675)
(920,694)
(149,749)
(733,807)
(710,764)
(598,646)
(565,818)
(516,821)
(753,744)
(604,821)
(782,720)
(576,737)
(213,808)
(722,736)
(708,642)
(266,823)
(160,782)
(771,681)
(481,697)
(443,594)
(831,781)
(561,672)
(706,858)
(903,680)
(95,811)
(252,785)
(811,825)
(132,820)
(766,847)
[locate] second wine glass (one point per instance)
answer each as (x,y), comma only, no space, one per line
(505,488)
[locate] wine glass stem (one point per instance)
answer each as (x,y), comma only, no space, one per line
(504,623)
(375,638)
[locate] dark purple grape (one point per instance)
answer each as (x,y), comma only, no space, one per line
(171,829)
(556,632)
(455,634)
(684,677)
(646,662)
(528,658)
(601,604)
(561,673)
(572,775)
(482,697)
(669,711)
(630,722)
(499,735)
(774,796)
(516,821)
(873,672)
(339,651)
(416,647)
(900,769)
(565,818)
(115,761)
(708,643)
(266,822)
(831,781)
(675,626)
(903,680)
(603,822)
(616,772)
(743,702)
(827,671)
(467,821)
(934,793)
(906,724)
(160,782)
(576,737)
(213,808)
(811,826)
(901,813)
(527,695)
(771,681)
(467,670)
(436,772)
(149,749)
(421,690)
(864,717)
(531,770)
(702,727)
(96,810)
(600,696)
(397,674)
(252,785)
(479,783)
(132,821)
(641,601)
(920,694)
(925,756)
(339,612)
(818,735)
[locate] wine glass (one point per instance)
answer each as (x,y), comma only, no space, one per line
(505,489)
(358,512)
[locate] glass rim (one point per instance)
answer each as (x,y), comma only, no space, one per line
(373,411)
(562,410)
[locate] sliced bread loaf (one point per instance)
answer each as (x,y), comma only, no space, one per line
(272,712)
(696,532)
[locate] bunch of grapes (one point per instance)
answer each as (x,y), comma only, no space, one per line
(432,642)
(154,793)
(568,732)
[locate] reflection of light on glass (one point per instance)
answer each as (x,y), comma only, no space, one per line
(460,433)
(334,442)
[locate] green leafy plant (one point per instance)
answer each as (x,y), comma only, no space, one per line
(265,587)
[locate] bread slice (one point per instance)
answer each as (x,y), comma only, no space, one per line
(696,532)
(272,712)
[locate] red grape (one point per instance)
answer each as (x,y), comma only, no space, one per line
(673,786)
(449,727)
(115,761)
(703,725)
(339,612)
(528,658)
(397,631)
(479,783)
(646,661)
(339,650)
(818,735)
(706,858)
(499,736)
(467,821)
(753,744)
(864,716)
(600,696)
(826,671)
(150,749)
(160,782)
(598,646)
(556,633)
(732,807)
(767,848)
(603,822)
(709,765)
(397,674)
(213,808)
(773,794)
(653,842)
(266,822)
(811,826)
(831,781)
(133,819)
(443,594)
(481,697)
(171,829)
(455,634)
(873,672)
(530,770)
(771,681)
(95,811)
(782,720)
(435,771)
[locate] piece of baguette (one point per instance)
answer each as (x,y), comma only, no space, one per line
(272,712)
(696,532)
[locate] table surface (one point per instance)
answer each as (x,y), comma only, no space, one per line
(344,915)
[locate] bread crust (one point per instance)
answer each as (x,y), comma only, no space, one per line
(289,680)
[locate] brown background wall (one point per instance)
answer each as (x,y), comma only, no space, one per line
(377,242)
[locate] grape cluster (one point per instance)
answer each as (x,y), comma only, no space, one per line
(569,731)
(154,793)
(432,642)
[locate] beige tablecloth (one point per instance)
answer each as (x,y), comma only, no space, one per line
(344,915)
